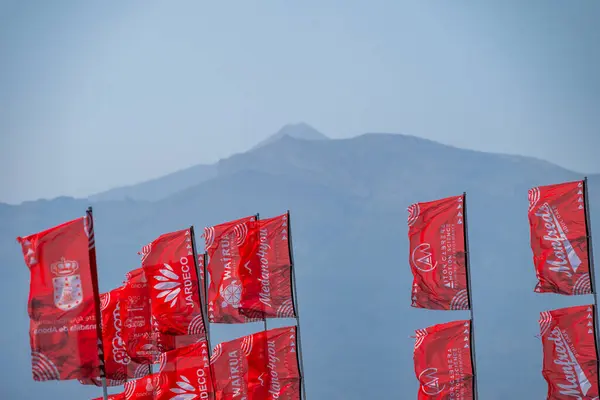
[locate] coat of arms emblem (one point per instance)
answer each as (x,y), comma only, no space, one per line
(68,293)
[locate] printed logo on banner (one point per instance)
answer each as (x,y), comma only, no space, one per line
(68,293)
(232,294)
(430,383)
(422,258)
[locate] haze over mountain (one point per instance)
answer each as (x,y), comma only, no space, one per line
(348,202)
(159,188)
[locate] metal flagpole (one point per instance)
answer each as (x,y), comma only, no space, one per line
(588,231)
(203,302)
(295,302)
(468,271)
(264,316)
(89,227)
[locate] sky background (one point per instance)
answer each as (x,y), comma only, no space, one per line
(95,95)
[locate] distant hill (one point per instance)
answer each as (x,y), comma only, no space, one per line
(348,202)
(301,131)
(160,188)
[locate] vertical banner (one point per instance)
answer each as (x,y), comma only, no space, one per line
(223,243)
(570,365)
(437,255)
(442,357)
(185,373)
(173,284)
(263,365)
(119,366)
(62,306)
(558,232)
(266,270)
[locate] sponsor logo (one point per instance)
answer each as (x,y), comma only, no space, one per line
(170,284)
(430,383)
(236,377)
(578,384)
(68,293)
(565,258)
(422,258)
(232,294)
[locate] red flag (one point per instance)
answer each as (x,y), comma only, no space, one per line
(437,254)
(118,364)
(263,365)
(63,333)
(142,340)
(147,388)
(186,372)
(173,284)
(266,271)
(223,243)
(558,232)
(570,361)
(443,361)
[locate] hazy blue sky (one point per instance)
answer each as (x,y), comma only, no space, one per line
(100,94)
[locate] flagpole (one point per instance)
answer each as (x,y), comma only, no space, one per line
(588,231)
(295,303)
(89,227)
(205,267)
(468,271)
(203,303)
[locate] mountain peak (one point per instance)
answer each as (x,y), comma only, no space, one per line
(300,130)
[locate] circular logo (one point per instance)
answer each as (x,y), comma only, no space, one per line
(422,258)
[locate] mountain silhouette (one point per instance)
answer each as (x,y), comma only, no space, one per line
(348,201)
(164,186)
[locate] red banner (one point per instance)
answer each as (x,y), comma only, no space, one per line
(186,372)
(437,254)
(443,365)
(223,244)
(139,333)
(558,234)
(173,284)
(63,327)
(263,365)
(265,270)
(118,365)
(146,388)
(570,363)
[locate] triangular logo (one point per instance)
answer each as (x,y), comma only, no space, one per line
(460,221)
(460,214)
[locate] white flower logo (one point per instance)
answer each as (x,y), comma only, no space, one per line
(185,391)
(169,285)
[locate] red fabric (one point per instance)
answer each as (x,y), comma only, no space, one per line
(442,359)
(143,343)
(437,254)
(173,284)
(186,371)
(265,270)
(559,239)
(63,328)
(263,365)
(570,364)
(223,243)
(118,365)
(146,388)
